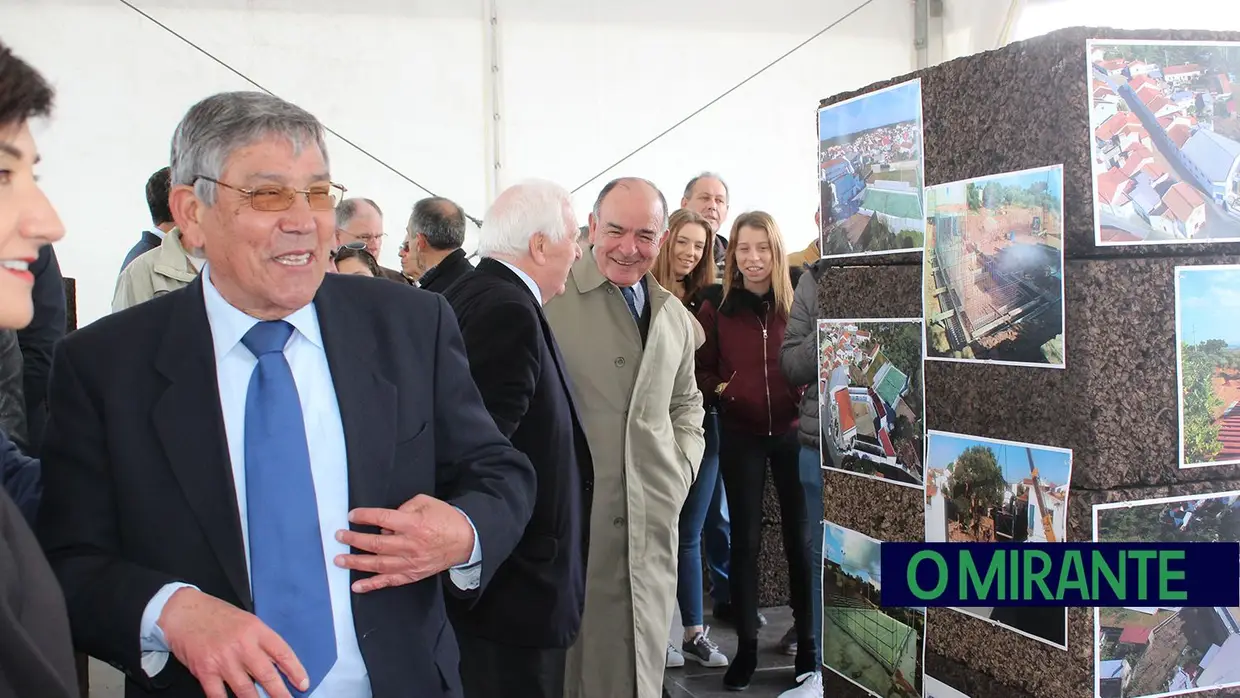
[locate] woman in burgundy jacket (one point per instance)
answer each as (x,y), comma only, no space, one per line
(738,369)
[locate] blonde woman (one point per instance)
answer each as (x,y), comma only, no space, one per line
(738,368)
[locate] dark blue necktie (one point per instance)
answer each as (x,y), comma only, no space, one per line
(630,297)
(288,574)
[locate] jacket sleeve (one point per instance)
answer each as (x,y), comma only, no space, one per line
(21,478)
(12,389)
(797,356)
(502,343)
(686,406)
(478,471)
(132,287)
(707,358)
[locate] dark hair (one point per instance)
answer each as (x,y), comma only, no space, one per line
(157,196)
(598,203)
(440,221)
(24,94)
(355,253)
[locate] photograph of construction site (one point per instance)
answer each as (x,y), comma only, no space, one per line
(880,649)
(981,490)
(870,173)
(994,269)
(1167,651)
(1207,307)
(938,689)
(871,400)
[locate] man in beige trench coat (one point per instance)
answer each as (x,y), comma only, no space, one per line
(629,347)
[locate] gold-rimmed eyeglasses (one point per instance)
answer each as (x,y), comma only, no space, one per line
(322,197)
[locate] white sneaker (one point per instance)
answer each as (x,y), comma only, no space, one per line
(810,686)
(674,658)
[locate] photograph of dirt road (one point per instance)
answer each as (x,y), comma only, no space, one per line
(870,398)
(881,650)
(993,269)
(870,173)
(981,490)
(1166,141)
(1207,308)
(1145,652)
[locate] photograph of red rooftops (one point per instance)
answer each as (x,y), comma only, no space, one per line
(1166,141)
(1148,652)
(870,398)
(993,269)
(870,173)
(1207,309)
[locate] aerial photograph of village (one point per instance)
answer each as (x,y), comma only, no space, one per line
(993,269)
(871,399)
(1207,307)
(1166,145)
(981,490)
(870,173)
(880,649)
(1144,652)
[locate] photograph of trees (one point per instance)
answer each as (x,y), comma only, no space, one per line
(1208,333)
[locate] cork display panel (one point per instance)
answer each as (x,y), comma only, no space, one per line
(1114,405)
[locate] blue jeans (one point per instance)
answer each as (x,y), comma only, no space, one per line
(809,466)
(717,534)
(706,490)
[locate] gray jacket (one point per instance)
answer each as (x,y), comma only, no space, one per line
(798,358)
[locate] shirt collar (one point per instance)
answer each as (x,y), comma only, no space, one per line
(157,233)
(229,325)
(533,285)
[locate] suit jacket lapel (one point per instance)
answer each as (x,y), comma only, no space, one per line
(367,399)
(190,425)
(490,266)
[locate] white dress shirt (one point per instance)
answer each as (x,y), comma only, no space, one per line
(529,281)
(306,356)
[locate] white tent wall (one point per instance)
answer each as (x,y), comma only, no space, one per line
(578,86)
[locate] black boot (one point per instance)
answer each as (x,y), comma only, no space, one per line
(744,664)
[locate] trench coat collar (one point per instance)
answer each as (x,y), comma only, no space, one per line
(587,277)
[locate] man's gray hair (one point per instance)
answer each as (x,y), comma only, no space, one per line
(215,128)
(705,175)
(440,221)
(522,211)
(349,207)
(626,181)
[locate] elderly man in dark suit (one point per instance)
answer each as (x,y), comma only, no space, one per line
(259,478)
(518,634)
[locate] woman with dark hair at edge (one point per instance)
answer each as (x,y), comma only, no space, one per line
(36,650)
(686,268)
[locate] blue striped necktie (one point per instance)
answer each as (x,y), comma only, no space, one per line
(288,573)
(630,297)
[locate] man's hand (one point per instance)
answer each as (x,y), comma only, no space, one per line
(223,646)
(422,538)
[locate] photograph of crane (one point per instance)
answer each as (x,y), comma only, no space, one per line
(981,490)
(880,649)
(993,269)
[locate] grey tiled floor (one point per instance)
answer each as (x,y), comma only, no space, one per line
(774,675)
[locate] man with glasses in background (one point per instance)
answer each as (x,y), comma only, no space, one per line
(359,224)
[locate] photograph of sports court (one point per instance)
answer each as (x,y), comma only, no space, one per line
(881,650)
(870,173)
(1146,652)
(994,269)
